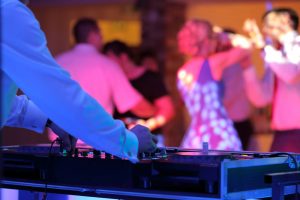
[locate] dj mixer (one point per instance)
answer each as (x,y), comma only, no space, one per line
(167,173)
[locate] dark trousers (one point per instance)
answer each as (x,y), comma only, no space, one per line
(286,141)
(245,131)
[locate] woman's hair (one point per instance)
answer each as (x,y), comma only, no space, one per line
(192,35)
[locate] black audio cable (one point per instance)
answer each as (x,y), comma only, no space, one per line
(292,157)
(45,194)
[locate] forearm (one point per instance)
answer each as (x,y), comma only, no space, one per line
(165,112)
(220,61)
(25,114)
(143,109)
(27,61)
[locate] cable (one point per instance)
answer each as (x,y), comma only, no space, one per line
(296,167)
(291,156)
(45,194)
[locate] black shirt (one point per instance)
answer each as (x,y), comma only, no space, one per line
(151,86)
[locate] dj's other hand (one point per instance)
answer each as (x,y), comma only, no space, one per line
(147,141)
(69,142)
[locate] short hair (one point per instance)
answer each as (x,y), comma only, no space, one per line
(292,14)
(117,47)
(83,28)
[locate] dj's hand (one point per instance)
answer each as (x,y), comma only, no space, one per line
(147,141)
(68,141)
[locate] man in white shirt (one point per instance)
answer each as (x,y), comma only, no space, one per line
(27,63)
(281,82)
(99,76)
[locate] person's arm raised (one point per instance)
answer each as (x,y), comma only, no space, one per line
(219,61)
(143,108)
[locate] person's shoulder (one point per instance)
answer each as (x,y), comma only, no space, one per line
(64,55)
(197,61)
(107,63)
(184,68)
(106,60)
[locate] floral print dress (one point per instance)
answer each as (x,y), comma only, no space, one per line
(209,121)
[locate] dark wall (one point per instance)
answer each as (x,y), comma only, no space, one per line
(18,136)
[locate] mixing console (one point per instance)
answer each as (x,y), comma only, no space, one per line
(166,173)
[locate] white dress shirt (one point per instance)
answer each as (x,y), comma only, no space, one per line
(25,114)
(285,64)
(27,63)
(100,77)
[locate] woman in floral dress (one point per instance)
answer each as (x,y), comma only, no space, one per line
(197,81)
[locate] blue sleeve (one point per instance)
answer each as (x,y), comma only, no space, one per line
(25,114)
(27,61)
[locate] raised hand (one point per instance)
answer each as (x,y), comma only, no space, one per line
(250,27)
(240,41)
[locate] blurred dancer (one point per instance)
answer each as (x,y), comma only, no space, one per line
(102,78)
(281,82)
(236,102)
(199,87)
(148,83)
